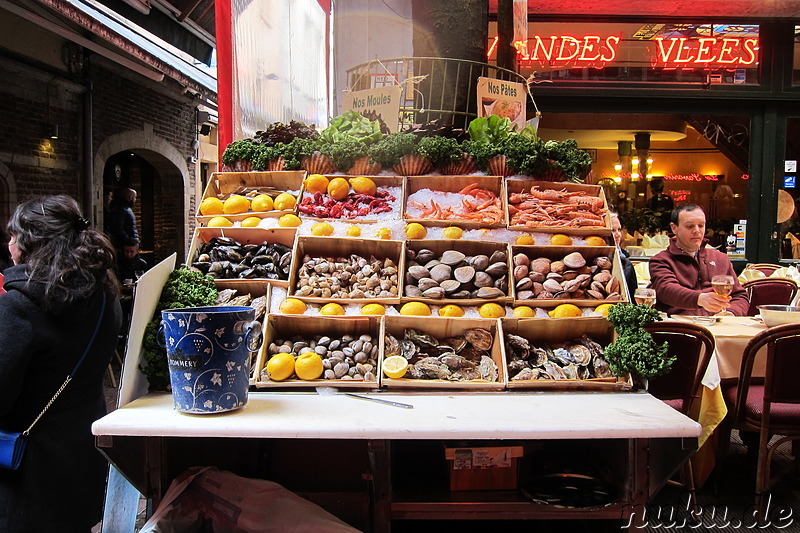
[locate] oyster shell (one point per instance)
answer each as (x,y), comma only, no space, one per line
(480,338)
(487,368)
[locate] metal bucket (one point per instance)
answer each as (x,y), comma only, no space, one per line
(208,354)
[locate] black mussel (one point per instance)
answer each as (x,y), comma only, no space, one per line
(261,260)
(281,248)
(223,241)
(202,266)
(248,273)
(249,248)
(272,275)
(238,268)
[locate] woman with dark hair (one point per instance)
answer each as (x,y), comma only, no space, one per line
(61,280)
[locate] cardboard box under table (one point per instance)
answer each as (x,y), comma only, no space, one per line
(524,186)
(243,236)
(443,328)
(552,332)
(492,468)
(223,184)
(288,327)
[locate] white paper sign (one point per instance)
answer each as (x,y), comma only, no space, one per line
(383,101)
(502,98)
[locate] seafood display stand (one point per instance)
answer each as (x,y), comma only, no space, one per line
(373,464)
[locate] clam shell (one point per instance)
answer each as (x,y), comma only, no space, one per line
(524,284)
(276,165)
(497,166)
(426,283)
(536,277)
(614,296)
(574,260)
(594,294)
(482,279)
(501,283)
(612,286)
(424,255)
(450,285)
(520,271)
(604,276)
(317,163)
(460,295)
(441,272)
(452,257)
(412,291)
(521,259)
(556,276)
(497,269)
(490,292)
(571,286)
(541,264)
(363,167)
(552,285)
(603,262)
(498,256)
(464,274)
(461,168)
(537,288)
(557,266)
(413,165)
(598,287)
(434,292)
(570,274)
(419,272)
(479,262)
(525,295)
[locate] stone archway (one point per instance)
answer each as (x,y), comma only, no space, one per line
(173,192)
(8,193)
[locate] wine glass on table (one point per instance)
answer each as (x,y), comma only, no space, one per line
(722,285)
(645,297)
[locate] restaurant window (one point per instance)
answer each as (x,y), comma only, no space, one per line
(788,195)
(649,164)
(676,53)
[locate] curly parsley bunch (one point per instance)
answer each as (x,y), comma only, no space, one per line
(635,350)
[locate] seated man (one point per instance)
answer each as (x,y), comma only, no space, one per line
(681,274)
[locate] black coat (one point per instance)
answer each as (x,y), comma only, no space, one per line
(61,482)
(123,225)
(629,273)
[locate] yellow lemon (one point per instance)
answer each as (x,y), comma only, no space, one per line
(453,232)
(523,311)
(354,231)
(566,311)
(338,188)
(383,233)
(211,206)
(292,306)
(492,310)
(415,309)
(280,366)
(289,221)
(525,239)
(219,222)
(363,185)
(308,366)
(331,309)
(395,366)
(316,183)
(284,201)
(262,202)
(251,222)
(416,231)
(603,309)
(559,239)
(236,204)
(321,229)
(451,311)
(594,240)
(373,309)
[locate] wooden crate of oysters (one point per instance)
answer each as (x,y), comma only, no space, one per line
(313,351)
(442,353)
(559,354)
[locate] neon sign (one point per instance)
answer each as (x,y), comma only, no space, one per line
(597,51)
(691,177)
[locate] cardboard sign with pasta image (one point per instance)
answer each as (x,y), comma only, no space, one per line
(502,98)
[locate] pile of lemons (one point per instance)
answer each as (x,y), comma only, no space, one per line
(237,204)
(306,366)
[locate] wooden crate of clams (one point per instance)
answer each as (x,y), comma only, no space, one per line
(445,353)
(559,354)
(327,269)
(457,272)
(547,276)
(241,256)
(548,207)
(224,184)
(349,347)
(482,204)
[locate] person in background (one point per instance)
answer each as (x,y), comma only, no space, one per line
(624,257)
(681,274)
(130,263)
(122,224)
(62,275)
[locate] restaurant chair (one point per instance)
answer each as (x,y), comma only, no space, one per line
(692,346)
(772,406)
(766,268)
(769,291)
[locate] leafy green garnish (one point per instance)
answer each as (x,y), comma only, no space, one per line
(296,150)
(492,129)
(263,155)
(391,148)
(441,151)
(243,149)
(635,350)
(352,125)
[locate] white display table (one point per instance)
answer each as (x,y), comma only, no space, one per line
(635,435)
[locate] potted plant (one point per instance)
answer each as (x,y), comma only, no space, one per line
(634,350)
(399,151)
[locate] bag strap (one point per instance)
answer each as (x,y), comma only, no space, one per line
(74,370)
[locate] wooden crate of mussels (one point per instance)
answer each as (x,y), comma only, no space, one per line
(457,272)
(445,353)
(349,347)
(547,276)
(240,256)
(559,354)
(327,269)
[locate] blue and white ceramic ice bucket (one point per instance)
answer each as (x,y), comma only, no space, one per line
(208,353)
